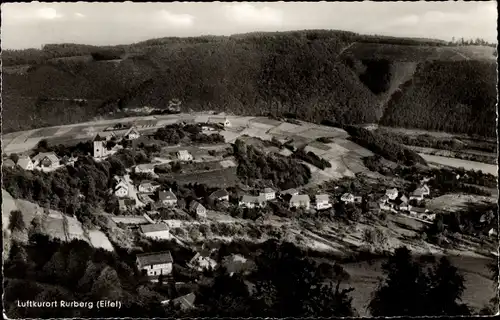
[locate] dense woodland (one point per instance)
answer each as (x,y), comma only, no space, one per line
(259,73)
(175,133)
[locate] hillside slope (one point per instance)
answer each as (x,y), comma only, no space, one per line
(316,75)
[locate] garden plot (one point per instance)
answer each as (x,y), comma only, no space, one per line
(457,163)
(75,230)
(53,225)
(230,136)
(288,128)
(99,240)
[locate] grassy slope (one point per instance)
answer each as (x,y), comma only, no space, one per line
(296,72)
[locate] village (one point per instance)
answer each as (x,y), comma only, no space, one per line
(141,199)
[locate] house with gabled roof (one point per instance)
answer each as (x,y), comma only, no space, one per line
(322,202)
(184,302)
(203,260)
(121,189)
(300,201)
(220,195)
(167,198)
(347,198)
(196,208)
(184,155)
(46,160)
(147,186)
(392,194)
(25,163)
(156,231)
(268,194)
(131,134)
(155,264)
(248,201)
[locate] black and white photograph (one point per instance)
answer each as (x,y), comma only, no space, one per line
(249,159)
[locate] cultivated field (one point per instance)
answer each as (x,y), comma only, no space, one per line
(457,163)
(99,240)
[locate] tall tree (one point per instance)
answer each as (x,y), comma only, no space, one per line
(16,221)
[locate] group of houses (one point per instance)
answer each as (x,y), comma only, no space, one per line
(44,161)
(101,140)
(395,201)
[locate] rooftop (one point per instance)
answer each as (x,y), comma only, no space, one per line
(166,195)
(268,190)
(322,197)
(146,259)
(147,228)
(219,194)
(300,198)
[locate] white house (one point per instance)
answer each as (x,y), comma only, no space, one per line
(392,194)
(492,232)
(347,198)
(202,260)
(300,201)
(420,193)
(167,198)
(121,189)
(223,121)
(199,210)
(25,163)
(147,168)
(268,194)
(47,160)
(156,231)
(131,134)
(248,201)
(323,202)
(220,195)
(155,264)
(184,302)
(184,155)
(148,186)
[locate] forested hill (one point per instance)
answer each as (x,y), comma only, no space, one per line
(315,75)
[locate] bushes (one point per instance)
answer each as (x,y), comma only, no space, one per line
(312,158)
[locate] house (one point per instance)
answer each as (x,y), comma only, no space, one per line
(25,163)
(268,194)
(196,208)
(300,201)
(248,201)
(155,264)
(100,149)
(202,260)
(8,163)
(420,193)
(416,211)
(292,192)
(147,186)
(323,202)
(131,134)
(185,302)
(147,168)
(347,198)
(184,155)
(47,160)
(220,195)
(167,198)
(121,189)
(392,194)
(156,231)
(492,232)
(401,203)
(222,121)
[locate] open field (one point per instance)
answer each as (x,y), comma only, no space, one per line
(99,240)
(75,229)
(457,163)
(456,202)
(219,178)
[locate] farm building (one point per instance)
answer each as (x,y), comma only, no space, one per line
(300,201)
(392,194)
(155,264)
(184,155)
(8,163)
(220,195)
(268,194)
(147,168)
(167,198)
(196,208)
(248,201)
(222,121)
(347,198)
(25,163)
(46,160)
(156,231)
(323,202)
(147,186)
(202,260)
(292,192)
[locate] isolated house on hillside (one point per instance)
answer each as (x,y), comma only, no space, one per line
(25,163)
(155,264)
(184,155)
(47,160)
(300,201)
(323,202)
(392,194)
(268,194)
(347,198)
(221,121)
(196,208)
(167,198)
(220,195)
(420,193)
(156,231)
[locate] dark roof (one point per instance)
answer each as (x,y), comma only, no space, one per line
(8,163)
(146,259)
(186,301)
(99,138)
(417,209)
(219,194)
(194,205)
